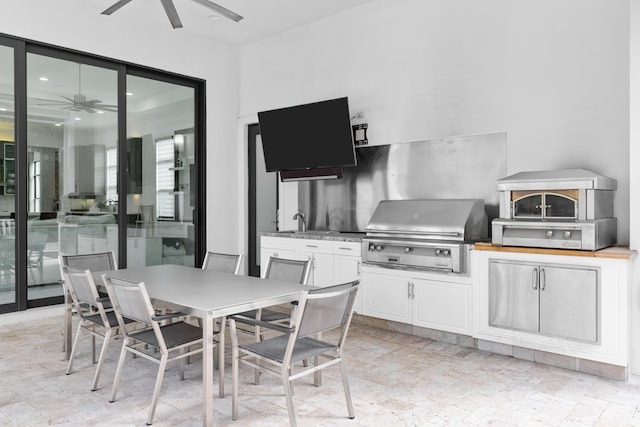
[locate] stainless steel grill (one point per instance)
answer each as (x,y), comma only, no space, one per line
(424,234)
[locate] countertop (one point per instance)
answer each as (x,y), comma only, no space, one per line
(618,252)
(336,236)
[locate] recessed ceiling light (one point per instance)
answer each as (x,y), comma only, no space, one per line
(99,111)
(3,109)
(78,118)
(58,124)
(44,79)
(129,94)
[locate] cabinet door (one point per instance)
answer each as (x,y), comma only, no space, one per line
(387,297)
(513,296)
(569,302)
(442,305)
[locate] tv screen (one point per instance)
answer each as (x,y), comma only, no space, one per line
(316,135)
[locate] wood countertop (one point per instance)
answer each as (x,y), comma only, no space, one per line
(618,252)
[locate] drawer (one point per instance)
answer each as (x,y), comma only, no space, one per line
(313,245)
(277,242)
(347,248)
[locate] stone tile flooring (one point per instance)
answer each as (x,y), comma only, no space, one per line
(396,380)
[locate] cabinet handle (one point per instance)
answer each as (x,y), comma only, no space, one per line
(543,279)
(409,290)
(534,278)
(358,270)
(311,246)
(344,249)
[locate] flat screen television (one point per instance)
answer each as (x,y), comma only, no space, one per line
(309,136)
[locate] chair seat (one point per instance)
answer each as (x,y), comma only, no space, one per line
(174,334)
(267,315)
(111,317)
(275,348)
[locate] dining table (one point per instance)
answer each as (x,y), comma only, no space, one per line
(209,295)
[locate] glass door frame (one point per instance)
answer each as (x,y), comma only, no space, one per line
(21,48)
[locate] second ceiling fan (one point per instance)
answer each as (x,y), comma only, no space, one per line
(172,13)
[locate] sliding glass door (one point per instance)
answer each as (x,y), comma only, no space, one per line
(8,294)
(72,123)
(161,172)
(95,155)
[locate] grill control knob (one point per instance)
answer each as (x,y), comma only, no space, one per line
(566,234)
(438,252)
(371,247)
(445,252)
(549,234)
(407,250)
(378,247)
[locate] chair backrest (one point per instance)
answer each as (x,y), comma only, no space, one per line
(81,285)
(129,299)
(288,270)
(225,263)
(326,308)
(102,261)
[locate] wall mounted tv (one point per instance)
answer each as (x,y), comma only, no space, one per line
(304,138)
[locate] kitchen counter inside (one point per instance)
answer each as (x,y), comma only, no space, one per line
(618,252)
(336,236)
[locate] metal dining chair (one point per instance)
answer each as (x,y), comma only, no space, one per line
(95,262)
(95,318)
(158,342)
(319,310)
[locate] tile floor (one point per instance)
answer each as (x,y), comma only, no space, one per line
(396,380)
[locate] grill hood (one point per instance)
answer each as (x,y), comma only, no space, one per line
(434,219)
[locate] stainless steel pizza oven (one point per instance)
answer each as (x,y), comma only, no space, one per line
(570,209)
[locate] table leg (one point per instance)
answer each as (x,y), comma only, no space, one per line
(207,370)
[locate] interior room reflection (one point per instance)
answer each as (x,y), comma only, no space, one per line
(72,172)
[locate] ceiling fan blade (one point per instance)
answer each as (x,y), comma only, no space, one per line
(117,5)
(221,10)
(172,13)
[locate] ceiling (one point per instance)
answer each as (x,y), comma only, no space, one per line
(262,18)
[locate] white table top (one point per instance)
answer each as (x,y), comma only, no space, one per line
(207,291)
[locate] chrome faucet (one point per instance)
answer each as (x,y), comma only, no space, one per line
(301,216)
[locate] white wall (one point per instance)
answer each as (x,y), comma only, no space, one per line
(553,74)
(124,37)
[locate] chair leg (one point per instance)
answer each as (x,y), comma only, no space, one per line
(156,389)
(116,379)
(93,348)
(103,354)
(234,369)
(347,391)
(289,395)
(74,348)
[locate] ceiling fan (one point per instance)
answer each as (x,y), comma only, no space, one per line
(79,101)
(172,13)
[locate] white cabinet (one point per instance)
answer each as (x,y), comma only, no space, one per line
(347,262)
(332,262)
(443,305)
(425,299)
(387,296)
(587,296)
(320,253)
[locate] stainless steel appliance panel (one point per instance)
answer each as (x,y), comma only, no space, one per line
(569,303)
(463,167)
(513,296)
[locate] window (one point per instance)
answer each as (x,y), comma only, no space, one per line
(165,178)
